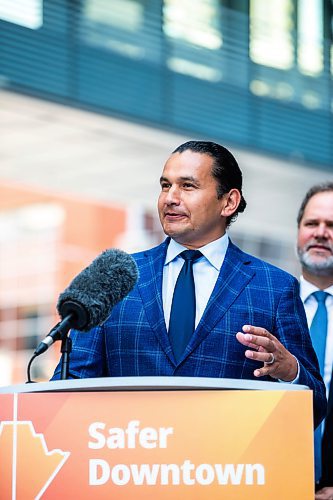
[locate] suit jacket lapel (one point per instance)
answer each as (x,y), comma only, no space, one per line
(327,463)
(234,276)
(330,396)
(150,289)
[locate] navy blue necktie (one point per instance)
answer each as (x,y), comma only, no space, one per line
(318,333)
(182,314)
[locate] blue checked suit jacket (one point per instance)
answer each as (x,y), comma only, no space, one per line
(134,341)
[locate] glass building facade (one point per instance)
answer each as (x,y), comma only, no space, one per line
(253,73)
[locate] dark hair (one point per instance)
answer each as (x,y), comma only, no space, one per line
(225,169)
(318,188)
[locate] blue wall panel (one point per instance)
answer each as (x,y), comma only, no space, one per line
(210,109)
(119,84)
(78,60)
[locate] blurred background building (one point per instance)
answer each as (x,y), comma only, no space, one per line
(95,94)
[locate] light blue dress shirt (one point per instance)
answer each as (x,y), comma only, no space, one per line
(205,273)
(310,306)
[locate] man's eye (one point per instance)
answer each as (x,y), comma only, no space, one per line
(188,185)
(165,185)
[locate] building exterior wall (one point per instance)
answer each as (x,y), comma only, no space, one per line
(46,240)
(97,93)
(251,73)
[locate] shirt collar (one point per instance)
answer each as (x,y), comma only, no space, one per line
(307,288)
(214,251)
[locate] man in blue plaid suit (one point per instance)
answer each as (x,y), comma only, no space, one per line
(249,319)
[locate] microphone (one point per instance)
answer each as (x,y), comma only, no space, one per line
(89,298)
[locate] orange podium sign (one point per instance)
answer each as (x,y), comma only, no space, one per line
(188,444)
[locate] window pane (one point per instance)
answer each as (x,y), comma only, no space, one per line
(271,28)
(27,13)
(118,26)
(125,14)
(195,38)
(198,26)
(310,36)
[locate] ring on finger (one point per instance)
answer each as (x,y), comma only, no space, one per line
(272,360)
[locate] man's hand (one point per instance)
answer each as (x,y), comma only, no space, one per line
(324,493)
(278,362)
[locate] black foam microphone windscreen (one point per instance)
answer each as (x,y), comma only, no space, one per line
(93,293)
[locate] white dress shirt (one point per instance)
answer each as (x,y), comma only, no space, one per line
(205,273)
(310,306)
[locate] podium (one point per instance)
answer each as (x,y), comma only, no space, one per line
(156,438)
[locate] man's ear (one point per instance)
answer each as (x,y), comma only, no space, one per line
(230,200)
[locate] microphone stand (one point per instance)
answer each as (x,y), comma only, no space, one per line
(66,345)
(66,349)
(58,332)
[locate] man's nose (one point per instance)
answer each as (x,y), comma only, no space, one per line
(321,231)
(173,196)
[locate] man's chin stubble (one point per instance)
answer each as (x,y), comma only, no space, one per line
(323,267)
